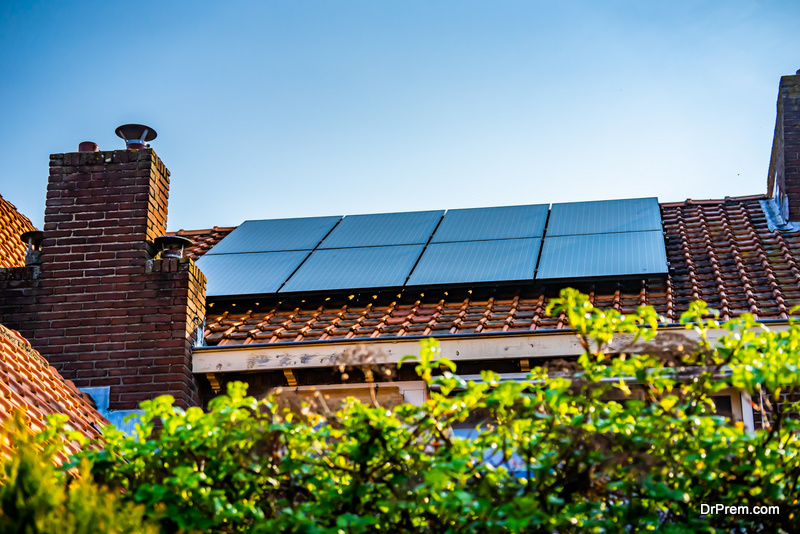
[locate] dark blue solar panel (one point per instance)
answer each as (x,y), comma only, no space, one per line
(478,224)
(477,261)
(596,255)
(276,235)
(351,268)
(603,217)
(248,274)
(383,229)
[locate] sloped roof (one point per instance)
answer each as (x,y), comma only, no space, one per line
(720,251)
(27,381)
(12,225)
(203,240)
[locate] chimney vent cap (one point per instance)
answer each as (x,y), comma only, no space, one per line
(136,135)
(172,246)
(33,238)
(33,249)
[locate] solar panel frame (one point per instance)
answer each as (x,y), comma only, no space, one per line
(251,273)
(603,255)
(354,268)
(383,229)
(276,235)
(604,216)
(484,224)
(499,260)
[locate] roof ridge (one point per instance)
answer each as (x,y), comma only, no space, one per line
(712,201)
(203,230)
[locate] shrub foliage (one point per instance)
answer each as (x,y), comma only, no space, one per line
(36,497)
(624,443)
(603,444)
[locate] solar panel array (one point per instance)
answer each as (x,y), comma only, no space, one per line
(414,249)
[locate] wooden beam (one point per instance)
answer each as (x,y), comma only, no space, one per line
(474,347)
(212,379)
(290,377)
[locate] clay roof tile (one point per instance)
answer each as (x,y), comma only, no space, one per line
(12,225)
(28,382)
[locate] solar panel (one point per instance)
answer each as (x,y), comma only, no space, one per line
(603,217)
(477,261)
(383,229)
(250,273)
(276,235)
(478,224)
(351,268)
(596,255)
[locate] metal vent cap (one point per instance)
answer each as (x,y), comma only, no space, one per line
(136,135)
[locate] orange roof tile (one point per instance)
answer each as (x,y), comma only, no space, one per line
(203,240)
(27,381)
(12,225)
(720,251)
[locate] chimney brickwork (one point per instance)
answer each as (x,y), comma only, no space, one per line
(784,166)
(100,308)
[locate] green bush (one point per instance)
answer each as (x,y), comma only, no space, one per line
(552,453)
(36,497)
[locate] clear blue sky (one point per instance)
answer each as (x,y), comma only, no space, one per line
(295,108)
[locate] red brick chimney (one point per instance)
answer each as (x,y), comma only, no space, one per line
(102,310)
(784,165)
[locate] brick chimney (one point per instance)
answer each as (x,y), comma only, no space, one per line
(784,166)
(103,311)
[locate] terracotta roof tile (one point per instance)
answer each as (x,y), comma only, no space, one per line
(203,240)
(12,225)
(27,381)
(721,251)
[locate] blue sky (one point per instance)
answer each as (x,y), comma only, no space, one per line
(296,108)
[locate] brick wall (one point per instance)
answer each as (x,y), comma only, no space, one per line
(101,309)
(784,167)
(19,290)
